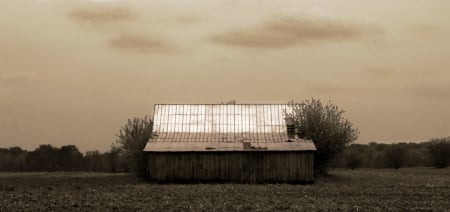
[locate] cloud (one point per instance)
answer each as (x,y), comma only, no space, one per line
(104,1)
(279,32)
(122,39)
(103,15)
(14,80)
(324,84)
(140,44)
(17,77)
(425,30)
(380,71)
(184,19)
(435,89)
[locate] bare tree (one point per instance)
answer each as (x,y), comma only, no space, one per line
(395,155)
(131,140)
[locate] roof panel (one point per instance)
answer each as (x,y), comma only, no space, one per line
(221,125)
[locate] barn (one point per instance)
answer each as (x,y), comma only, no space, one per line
(248,143)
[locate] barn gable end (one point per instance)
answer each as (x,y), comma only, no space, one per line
(238,142)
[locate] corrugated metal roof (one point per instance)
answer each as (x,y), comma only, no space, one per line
(221,127)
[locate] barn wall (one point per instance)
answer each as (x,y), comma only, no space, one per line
(251,167)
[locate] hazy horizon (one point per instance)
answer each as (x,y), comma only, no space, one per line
(73,72)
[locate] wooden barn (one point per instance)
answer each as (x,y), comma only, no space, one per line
(227,143)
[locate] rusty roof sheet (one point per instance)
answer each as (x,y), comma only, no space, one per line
(223,127)
(293,145)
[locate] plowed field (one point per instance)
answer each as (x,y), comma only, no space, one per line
(365,189)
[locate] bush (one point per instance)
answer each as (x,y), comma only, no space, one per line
(326,127)
(354,156)
(395,155)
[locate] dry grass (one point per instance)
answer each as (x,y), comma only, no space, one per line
(370,189)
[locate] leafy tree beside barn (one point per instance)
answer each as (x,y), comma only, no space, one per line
(326,126)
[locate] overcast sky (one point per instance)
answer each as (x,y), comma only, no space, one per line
(73,71)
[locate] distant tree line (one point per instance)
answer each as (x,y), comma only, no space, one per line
(434,153)
(125,155)
(67,158)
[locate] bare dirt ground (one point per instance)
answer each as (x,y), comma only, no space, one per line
(365,189)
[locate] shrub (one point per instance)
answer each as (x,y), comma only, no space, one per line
(395,155)
(354,156)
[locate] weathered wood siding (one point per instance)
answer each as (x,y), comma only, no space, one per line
(249,167)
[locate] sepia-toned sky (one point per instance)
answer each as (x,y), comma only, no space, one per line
(73,71)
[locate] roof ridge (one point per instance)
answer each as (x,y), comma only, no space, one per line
(224,104)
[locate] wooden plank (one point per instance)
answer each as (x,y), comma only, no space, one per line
(285,163)
(308,167)
(304,166)
(311,166)
(273,167)
(291,166)
(295,168)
